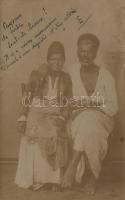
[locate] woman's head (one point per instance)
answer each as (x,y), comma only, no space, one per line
(56,56)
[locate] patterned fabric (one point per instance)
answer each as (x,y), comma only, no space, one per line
(47,125)
(50,133)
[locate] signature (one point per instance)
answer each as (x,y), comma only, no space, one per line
(32,37)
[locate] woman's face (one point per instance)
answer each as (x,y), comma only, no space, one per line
(56,62)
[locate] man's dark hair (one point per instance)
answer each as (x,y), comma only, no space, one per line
(90,37)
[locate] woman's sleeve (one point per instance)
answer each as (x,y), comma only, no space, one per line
(110,106)
(26,88)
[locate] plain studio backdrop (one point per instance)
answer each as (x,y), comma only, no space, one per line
(106,20)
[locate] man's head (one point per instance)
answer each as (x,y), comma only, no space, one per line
(88,45)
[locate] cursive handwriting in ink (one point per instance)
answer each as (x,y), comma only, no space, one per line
(15,27)
(45,28)
(26,43)
(4,37)
(22,34)
(32,34)
(26,52)
(15,39)
(84,21)
(12,42)
(69,13)
(39,42)
(44,11)
(8,25)
(32,25)
(6,57)
(55,26)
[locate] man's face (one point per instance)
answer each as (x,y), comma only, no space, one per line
(56,62)
(86,52)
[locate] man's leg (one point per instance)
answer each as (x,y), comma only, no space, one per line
(71,171)
(89,179)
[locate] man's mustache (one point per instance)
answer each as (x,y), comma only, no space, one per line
(85,58)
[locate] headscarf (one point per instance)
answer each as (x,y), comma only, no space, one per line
(56,47)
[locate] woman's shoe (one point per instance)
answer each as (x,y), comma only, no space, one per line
(37,186)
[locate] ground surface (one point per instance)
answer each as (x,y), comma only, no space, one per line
(107,190)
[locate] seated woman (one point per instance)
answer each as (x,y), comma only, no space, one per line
(44,146)
(93,114)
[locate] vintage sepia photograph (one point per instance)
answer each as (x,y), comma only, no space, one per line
(62,99)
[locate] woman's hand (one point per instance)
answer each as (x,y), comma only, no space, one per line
(21,126)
